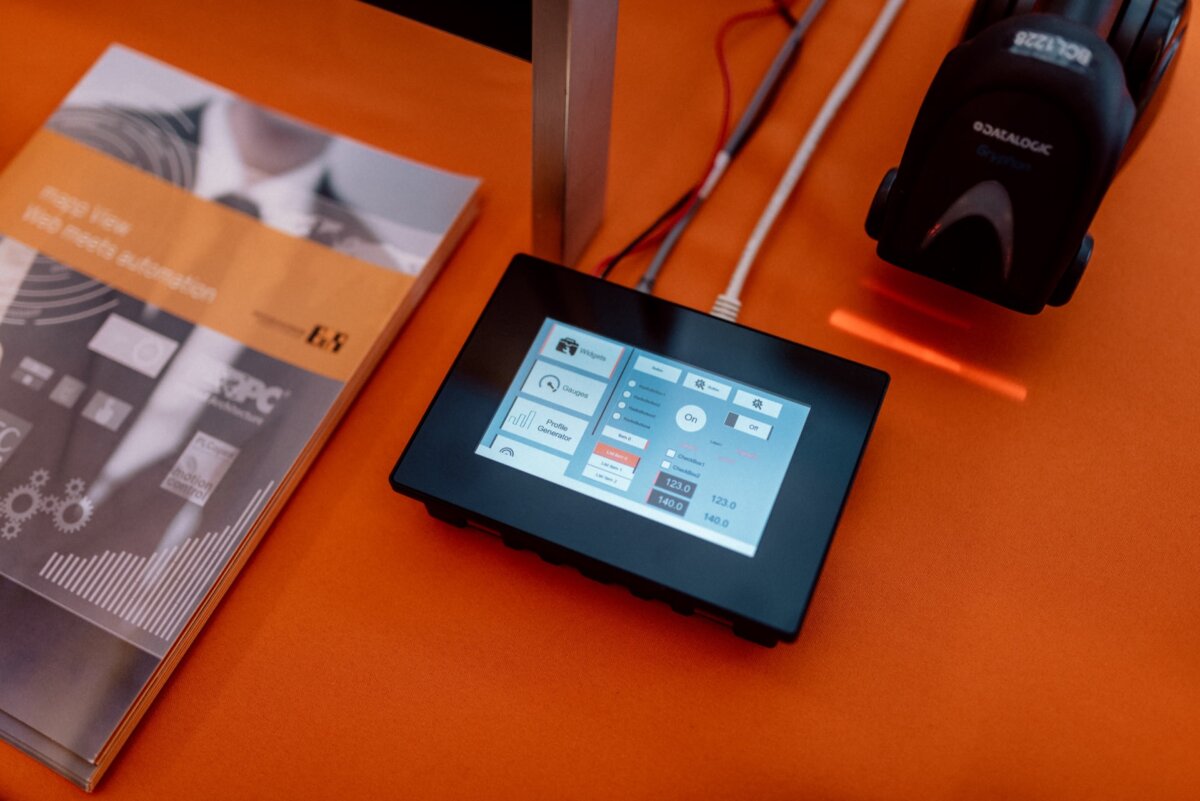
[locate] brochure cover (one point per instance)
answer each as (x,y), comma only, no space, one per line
(192,288)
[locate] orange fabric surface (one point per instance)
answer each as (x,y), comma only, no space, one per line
(1009,609)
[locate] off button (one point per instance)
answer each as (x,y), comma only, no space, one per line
(690,418)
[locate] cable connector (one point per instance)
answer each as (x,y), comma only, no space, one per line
(726,307)
(729,300)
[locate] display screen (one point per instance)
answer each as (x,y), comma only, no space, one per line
(671,442)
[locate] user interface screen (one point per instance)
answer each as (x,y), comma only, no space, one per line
(668,441)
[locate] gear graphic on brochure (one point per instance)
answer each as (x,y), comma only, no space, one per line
(70,512)
(21,503)
(50,504)
(70,523)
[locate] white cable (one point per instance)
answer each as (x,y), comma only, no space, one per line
(728,303)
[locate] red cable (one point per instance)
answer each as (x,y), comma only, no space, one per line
(726,107)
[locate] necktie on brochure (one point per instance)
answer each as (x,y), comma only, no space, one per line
(239,202)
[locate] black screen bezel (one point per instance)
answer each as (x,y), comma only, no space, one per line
(773,587)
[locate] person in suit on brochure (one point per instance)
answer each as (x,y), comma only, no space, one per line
(240,155)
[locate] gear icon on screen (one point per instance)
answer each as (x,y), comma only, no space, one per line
(21,503)
(11,529)
(73,514)
(75,488)
(39,477)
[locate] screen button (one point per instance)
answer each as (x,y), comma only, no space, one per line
(758,403)
(527,458)
(649,366)
(544,425)
(691,418)
(555,384)
(624,436)
(582,351)
(709,387)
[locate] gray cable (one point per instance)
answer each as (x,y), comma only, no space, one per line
(734,142)
(729,303)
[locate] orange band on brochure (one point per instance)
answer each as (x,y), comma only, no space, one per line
(290,298)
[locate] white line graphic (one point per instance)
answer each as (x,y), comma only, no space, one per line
(156,593)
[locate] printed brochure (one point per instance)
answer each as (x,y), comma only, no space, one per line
(192,288)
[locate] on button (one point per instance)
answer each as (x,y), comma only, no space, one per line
(691,418)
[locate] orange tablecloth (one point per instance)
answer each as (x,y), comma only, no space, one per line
(1010,607)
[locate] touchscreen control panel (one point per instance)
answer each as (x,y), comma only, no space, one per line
(688,448)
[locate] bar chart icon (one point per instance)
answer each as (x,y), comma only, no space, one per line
(156,593)
(524,420)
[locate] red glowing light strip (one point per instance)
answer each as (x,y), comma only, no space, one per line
(863,329)
(912,303)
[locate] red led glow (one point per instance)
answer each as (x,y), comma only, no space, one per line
(877,334)
(916,305)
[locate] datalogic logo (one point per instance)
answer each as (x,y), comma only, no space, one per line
(13,431)
(1023,142)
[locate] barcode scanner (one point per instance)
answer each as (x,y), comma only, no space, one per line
(1016,142)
